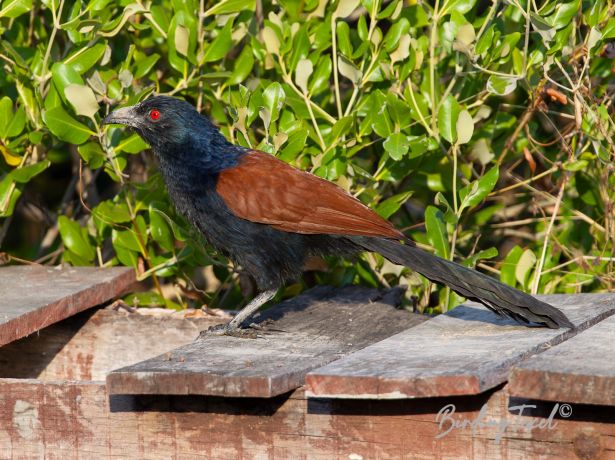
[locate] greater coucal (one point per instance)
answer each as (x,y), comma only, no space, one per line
(269,217)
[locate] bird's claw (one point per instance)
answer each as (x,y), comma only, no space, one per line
(228,330)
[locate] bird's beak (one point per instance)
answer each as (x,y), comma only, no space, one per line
(124,116)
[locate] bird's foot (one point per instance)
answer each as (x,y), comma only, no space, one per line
(228,330)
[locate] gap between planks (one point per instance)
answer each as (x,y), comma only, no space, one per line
(300,334)
(464,352)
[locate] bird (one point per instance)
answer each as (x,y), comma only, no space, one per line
(269,217)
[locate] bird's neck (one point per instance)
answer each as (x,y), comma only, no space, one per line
(202,154)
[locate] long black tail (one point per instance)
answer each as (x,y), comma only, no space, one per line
(473,285)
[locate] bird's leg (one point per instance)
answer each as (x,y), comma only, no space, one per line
(232,327)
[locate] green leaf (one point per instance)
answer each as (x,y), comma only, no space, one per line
(294,145)
(75,239)
(126,257)
(132,144)
(524,267)
(23,175)
(480,255)
(272,42)
(9,194)
(14,8)
(82,99)
(465,127)
(344,44)
(349,70)
(65,127)
(345,8)
(391,39)
(160,230)
(564,12)
(501,86)
(391,205)
(397,145)
(92,154)
(221,44)
(114,27)
(85,58)
(112,213)
(546,30)
(64,75)
(181,40)
(477,191)
(145,65)
(509,266)
(435,226)
(6,115)
(447,118)
(460,6)
(126,239)
(302,74)
(274,98)
(231,6)
(243,67)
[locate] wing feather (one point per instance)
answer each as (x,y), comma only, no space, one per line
(266,190)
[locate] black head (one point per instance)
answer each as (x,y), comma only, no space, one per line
(169,125)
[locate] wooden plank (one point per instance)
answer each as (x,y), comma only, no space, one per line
(580,370)
(92,343)
(73,420)
(33,297)
(464,352)
(301,334)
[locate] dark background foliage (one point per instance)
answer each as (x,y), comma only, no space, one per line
(483,129)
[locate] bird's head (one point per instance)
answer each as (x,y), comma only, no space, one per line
(165,123)
(177,133)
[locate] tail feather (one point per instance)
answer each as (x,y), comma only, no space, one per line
(471,284)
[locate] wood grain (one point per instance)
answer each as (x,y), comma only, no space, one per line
(33,297)
(307,332)
(467,351)
(580,370)
(74,420)
(92,343)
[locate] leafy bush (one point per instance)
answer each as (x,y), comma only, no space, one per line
(484,129)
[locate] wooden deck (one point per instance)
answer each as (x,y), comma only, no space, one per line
(332,374)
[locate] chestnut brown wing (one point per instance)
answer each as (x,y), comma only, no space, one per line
(266,190)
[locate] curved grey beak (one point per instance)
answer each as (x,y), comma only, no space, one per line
(124,116)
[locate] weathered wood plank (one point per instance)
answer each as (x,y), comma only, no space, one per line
(73,420)
(307,332)
(33,297)
(466,351)
(89,345)
(580,370)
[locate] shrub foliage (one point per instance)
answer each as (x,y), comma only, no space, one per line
(484,129)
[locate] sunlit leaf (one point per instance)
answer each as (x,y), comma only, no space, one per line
(447,118)
(66,127)
(436,231)
(82,99)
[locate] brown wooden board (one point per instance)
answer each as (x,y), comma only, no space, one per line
(74,420)
(64,418)
(580,370)
(464,352)
(33,297)
(300,334)
(91,343)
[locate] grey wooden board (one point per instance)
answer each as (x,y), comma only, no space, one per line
(580,370)
(307,332)
(467,351)
(33,297)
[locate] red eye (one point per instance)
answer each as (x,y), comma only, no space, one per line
(154,114)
